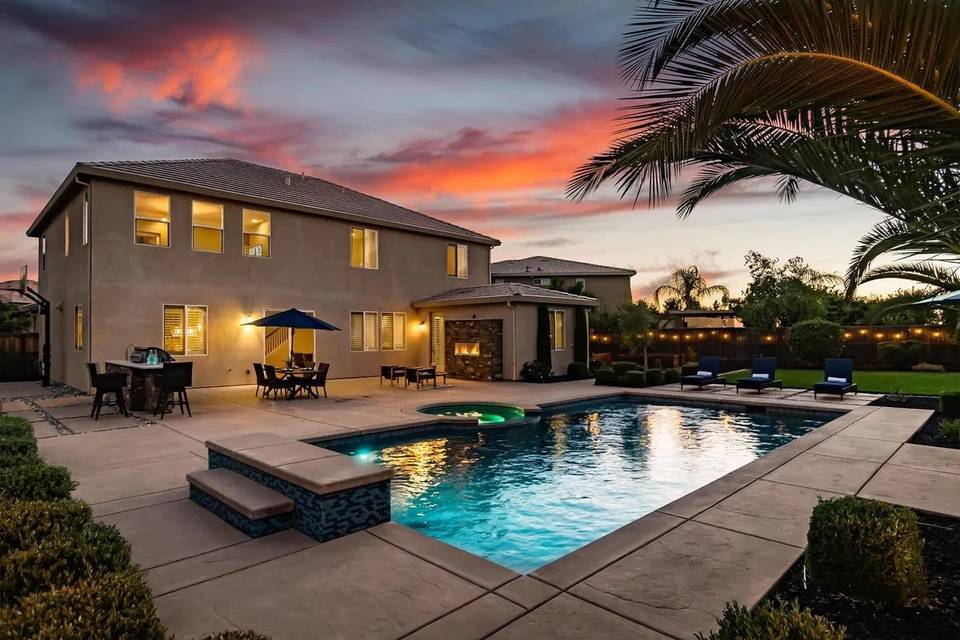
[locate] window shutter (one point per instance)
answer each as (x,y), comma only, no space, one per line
(173,323)
(462,261)
(356,332)
(356,247)
(560,331)
(371,257)
(386,331)
(196,331)
(400,331)
(369,331)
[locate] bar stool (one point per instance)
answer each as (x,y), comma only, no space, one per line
(104,383)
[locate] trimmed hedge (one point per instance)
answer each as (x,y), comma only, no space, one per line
(654,377)
(621,367)
(578,370)
(18,445)
(8,459)
(867,549)
(772,621)
(35,481)
(15,426)
(635,378)
(671,376)
(950,404)
(950,429)
(117,605)
(607,376)
(813,341)
(24,523)
(93,551)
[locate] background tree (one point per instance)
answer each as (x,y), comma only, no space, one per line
(637,319)
(813,341)
(686,289)
(12,320)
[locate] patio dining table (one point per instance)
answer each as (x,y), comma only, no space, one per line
(299,375)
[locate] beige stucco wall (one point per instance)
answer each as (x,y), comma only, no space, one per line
(610,291)
(309,268)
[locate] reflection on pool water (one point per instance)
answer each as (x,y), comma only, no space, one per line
(484,412)
(523,496)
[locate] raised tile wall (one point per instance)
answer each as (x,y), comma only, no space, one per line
(486,366)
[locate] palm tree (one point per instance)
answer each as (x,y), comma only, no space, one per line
(858,96)
(686,289)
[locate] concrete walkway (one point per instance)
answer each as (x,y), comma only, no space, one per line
(665,575)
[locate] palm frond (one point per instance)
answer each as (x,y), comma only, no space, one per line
(926,273)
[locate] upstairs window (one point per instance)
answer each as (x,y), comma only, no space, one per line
(66,235)
(78,328)
(207,227)
(363,331)
(256,233)
(85,221)
(364,252)
(558,330)
(185,329)
(151,219)
(542,282)
(457,260)
(393,331)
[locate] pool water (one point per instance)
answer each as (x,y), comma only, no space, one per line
(526,495)
(485,412)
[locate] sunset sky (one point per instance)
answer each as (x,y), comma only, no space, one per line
(474,112)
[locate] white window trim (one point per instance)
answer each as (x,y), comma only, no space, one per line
(194,225)
(542,282)
(364,328)
(456,260)
(85,222)
(363,250)
(243,233)
(169,220)
(404,325)
(553,338)
(186,353)
(582,282)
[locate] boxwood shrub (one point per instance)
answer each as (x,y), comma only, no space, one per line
(813,341)
(867,549)
(772,621)
(654,377)
(24,523)
(622,367)
(578,370)
(94,550)
(606,376)
(116,605)
(15,426)
(35,481)
(671,376)
(535,371)
(18,444)
(635,378)
(8,459)
(950,404)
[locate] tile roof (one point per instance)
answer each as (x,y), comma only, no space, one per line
(240,180)
(503,292)
(547,266)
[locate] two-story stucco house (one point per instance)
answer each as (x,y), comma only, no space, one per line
(609,285)
(181,254)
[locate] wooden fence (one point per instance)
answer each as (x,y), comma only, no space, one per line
(19,356)
(738,346)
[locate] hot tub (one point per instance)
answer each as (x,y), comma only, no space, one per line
(485,413)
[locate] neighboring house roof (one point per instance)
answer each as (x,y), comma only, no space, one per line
(547,266)
(236,179)
(10,295)
(504,292)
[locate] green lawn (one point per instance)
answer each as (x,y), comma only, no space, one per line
(907,382)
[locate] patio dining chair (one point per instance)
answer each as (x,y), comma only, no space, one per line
(275,383)
(261,378)
(316,380)
(104,383)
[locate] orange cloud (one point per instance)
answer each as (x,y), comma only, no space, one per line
(199,72)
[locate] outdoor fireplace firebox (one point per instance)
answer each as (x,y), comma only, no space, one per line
(466,349)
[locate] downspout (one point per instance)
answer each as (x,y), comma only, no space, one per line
(88,314)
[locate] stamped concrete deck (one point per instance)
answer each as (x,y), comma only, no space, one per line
(666,575)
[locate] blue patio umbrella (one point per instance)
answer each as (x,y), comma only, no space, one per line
(293,319)
(944,299)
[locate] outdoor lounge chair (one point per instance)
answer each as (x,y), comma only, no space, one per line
(837,378)
(421,376)
(708,372)
(763,374)
(391,372)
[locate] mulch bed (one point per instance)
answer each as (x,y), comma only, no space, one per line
(930,433)
(938,620)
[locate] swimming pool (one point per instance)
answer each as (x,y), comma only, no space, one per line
(523,496)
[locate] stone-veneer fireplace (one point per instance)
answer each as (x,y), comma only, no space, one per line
(460,352)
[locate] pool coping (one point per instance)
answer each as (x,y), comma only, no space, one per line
(582,573)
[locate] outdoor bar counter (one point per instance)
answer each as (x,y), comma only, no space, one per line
(143,385)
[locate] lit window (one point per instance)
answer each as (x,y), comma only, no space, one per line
(256,233)
(78,328)
(364,253)
(85,222)
(393,331)
(185,330)
(558,330)
(152,219)
(43,253)
(457,260)
(207,227)
(66,235)
(363,331)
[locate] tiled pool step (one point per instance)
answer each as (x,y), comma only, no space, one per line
(333,494)
(250,507)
